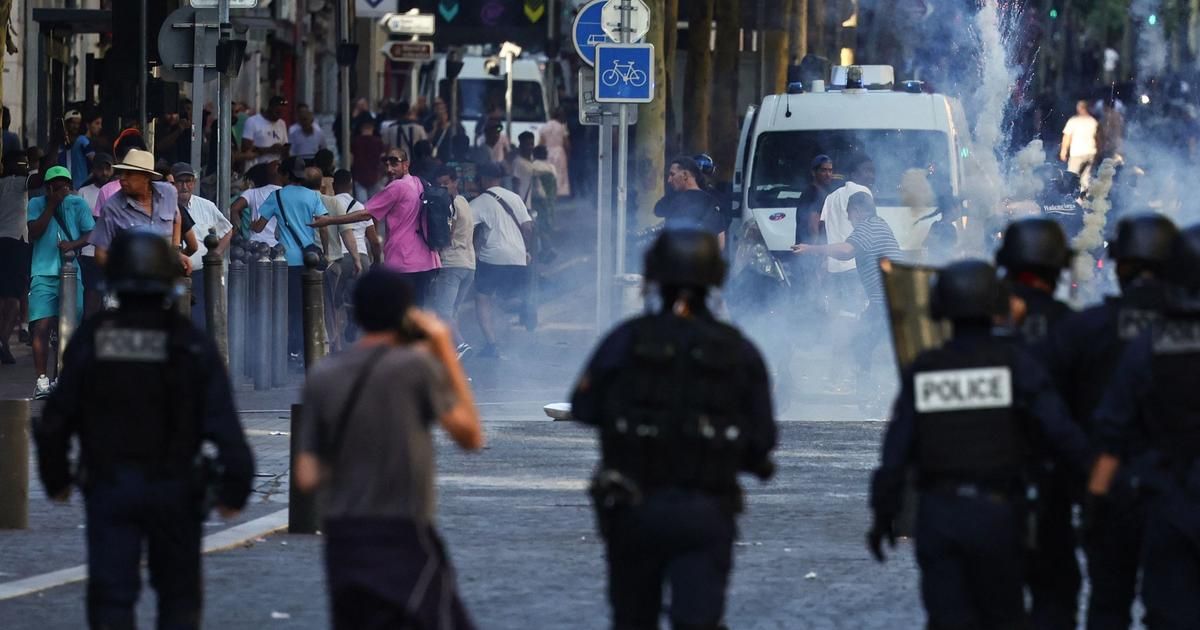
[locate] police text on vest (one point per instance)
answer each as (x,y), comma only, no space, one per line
(955,390)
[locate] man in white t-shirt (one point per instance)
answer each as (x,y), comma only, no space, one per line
(265,134)
(264,179)
(205,217)
(1079,143)
(503,234)
(306,136)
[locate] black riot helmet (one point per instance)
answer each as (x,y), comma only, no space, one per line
(685,258)
(1146,238)
(967,290)
(1183,274)
(140,262)
(1035,243)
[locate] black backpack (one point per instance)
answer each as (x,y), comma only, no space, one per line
(437,215)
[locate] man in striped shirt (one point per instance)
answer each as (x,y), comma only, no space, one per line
(871,240)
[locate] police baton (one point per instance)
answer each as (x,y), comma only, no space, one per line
(215,314)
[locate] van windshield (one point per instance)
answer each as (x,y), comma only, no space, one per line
(783,160)
(476,97)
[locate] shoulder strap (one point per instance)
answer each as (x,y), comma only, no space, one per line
(283,218)
(360,380)
(504,204)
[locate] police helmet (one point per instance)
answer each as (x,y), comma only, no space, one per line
(685,258)
(1036,242)
(141,262)
(1183,274)
(706,164)
(967,289)
(1147,238)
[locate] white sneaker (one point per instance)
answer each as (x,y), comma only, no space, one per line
(42,388)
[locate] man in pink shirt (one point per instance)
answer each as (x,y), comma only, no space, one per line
(398,207)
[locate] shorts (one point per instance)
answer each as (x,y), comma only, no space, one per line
(500,280)
(14,267)
(43,297)
(89,271)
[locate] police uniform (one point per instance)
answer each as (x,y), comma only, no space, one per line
(966,418)
(1083,352)
(682,405)
(1154,398)
(142,388)
(1037,249)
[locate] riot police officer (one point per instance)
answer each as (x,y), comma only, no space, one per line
(1084,350)
(1154,397)
(683,405)
(1033,254)
(142,389)
(964,420)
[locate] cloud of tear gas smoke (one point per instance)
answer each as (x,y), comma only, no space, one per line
(1091,236)
(989,100)
(1152,45)
(1023,181)
(916,193)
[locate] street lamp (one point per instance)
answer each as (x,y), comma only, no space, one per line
(509,51)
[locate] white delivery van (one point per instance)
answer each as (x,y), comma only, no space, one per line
(898,130)
(480,92)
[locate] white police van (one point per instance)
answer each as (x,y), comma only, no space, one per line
(482,87)
(860,112)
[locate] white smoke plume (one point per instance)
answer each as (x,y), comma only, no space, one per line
(1152,45)
(991,98)
(1092,234)
(915,191)
(1023,181)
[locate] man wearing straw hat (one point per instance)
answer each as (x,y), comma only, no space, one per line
(143,201)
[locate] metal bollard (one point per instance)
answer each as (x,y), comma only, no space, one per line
(184,303)
(261,367)
(253,253)
(14,464)
(68,305)
(215,313)
(302,507)
(315,346)
(237,314)
(279,319)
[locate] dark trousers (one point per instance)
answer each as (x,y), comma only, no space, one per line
(420,283)
(390,574)
(296,311)
(1054,576)
(122,514)
(198,297)
(1114,549)
(679,537)
(969,552)
(1171,562)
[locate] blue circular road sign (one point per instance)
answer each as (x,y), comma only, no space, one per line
(589,31)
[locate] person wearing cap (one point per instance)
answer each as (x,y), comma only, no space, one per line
(59,221)
(205,217)
(14,246)
(141,392)
(126,141)
(373,461)
(265,135)
(102,174)
(294,207)
(143,201)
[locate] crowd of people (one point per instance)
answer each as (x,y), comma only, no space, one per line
(374,208)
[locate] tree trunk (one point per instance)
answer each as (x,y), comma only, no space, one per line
(816,30)
(697,108)
(646,168)
(778,46)
(798,40)
(670,45)
(723,132)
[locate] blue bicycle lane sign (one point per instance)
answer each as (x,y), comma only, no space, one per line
(624,73)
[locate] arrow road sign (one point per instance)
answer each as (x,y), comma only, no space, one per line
(588,31)
(408,51)
(409,23)
(625,73)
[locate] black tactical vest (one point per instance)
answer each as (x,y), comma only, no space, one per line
(140,406)
(674,417)
(968,422)
(1123,321)
(1042,313)
(1173,413)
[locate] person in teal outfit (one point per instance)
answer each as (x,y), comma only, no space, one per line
(59,222)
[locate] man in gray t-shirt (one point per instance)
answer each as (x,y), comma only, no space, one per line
(366,444)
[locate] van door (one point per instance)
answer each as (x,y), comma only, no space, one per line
(739,162)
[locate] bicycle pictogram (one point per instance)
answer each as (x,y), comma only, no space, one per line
(625,73)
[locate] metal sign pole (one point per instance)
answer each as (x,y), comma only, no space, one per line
(198,38)
(622,156)
(604,228)
(224,126)
(343,16)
